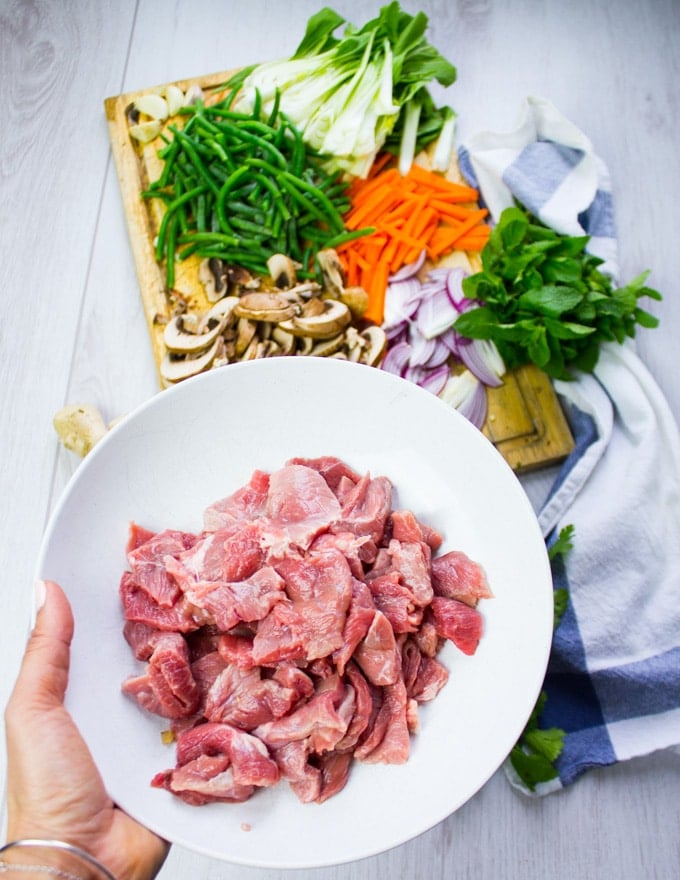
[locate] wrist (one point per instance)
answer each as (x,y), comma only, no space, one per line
(36,859)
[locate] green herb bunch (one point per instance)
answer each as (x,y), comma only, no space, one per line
(535,754)
(543,298)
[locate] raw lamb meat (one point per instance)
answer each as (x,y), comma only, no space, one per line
(295,634)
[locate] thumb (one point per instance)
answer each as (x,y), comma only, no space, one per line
(43,676)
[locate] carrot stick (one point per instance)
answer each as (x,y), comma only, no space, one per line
(421,210)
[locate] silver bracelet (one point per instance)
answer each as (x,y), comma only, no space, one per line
(5,867)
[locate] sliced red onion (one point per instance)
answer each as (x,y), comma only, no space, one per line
(451,340)
(481,357)
(454,286)
(422,349)
(397,358)
(467,394)
(397,333)
(440,354)
(402,299)
(409,270)
(436,313)
(431,380)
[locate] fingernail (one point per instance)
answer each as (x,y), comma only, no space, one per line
(39,596)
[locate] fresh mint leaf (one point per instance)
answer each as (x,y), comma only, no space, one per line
(551,299)
(546,300)
(531,768)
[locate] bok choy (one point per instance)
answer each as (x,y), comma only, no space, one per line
(350,96)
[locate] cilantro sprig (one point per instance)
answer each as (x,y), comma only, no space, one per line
(543,299)
(535,754)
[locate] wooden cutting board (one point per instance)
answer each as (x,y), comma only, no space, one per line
(525,420)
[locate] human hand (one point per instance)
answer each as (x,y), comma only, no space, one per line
(54,789)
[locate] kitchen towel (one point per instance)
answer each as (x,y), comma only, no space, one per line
(613,679)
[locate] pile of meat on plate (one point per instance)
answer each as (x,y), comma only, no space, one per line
(296,633)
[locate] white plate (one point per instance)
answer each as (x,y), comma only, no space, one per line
(198,442)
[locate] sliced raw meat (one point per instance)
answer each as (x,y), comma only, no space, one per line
(456,576)
(147,563)
(299,506)
(377,653)
(297,632)
(139,607)
(396,602)
(322,722)
(250,760)
(230,554)
(395,744)
(457,622)
(412,561)
(365,510)
(227,604)
(168,687)
(244,699)
(246,503)
(333,470)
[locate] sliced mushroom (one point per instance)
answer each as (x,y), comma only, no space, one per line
(246,334)
(356,300)
(218,314)
(327,347)
(376,346)
(264,307)
(177,368)
(179,341)
(283,270)
(313,307)
(213,278)
(284,339)
(332,272)
(305,345)
(334,318)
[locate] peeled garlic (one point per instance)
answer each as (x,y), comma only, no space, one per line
(146,131)
(154,106)
(174,97)
(79,426)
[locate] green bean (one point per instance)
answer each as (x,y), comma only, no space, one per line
(170,211)
(244,186)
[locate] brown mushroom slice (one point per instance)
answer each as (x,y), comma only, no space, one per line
(332,320)
(218,314)
(175,368)
(264,307)
(327,347)
(356,300)
(376,346)
(212,276)
(284,339)
(305,345)
(180,340)
(331,271)
(283,270)
(246,332)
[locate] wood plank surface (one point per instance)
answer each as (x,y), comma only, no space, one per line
(68,276)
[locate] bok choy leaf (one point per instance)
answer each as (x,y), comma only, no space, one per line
(349,95)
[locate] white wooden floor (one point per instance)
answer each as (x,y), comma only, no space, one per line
(72,328)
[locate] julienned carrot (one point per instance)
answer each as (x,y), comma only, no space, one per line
(420,211)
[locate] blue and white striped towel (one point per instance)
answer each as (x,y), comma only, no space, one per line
(613,680)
